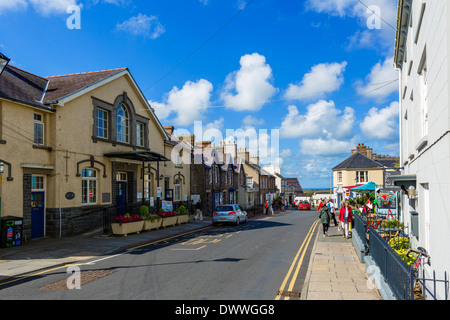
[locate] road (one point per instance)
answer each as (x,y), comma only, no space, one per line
(254,261)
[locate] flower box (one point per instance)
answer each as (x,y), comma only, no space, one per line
(155,224)
(169,221)
(184,218)
(127,228)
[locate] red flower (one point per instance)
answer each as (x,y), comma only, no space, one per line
(127,219)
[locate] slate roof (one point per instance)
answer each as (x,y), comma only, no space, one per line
(64,85)
(24,87)
(358,161)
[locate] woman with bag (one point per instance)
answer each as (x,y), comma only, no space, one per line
(325,218)
(345,217)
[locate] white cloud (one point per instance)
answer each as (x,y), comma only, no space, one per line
(325,147)
(322,79)
(382,123)
(249,88)
(322,119)
(47,7)
(12,5)
(189,103)
(142,25)
(250,121)
(380,82)
(368,37)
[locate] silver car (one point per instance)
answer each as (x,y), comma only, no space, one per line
(229,213)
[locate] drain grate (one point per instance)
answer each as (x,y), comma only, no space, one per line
(86,277)
(290,294)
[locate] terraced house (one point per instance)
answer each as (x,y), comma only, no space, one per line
(74,144)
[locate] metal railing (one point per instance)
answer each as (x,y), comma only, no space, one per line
(396,272)
(360,228)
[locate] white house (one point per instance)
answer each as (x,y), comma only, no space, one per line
(422,60)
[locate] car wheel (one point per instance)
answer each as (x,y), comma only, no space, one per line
(237,222)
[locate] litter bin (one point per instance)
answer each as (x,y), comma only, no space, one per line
(11,232)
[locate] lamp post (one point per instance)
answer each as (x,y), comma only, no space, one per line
(3,62)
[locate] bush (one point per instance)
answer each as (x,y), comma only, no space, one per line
(401,245)
(143,210)
(181,209)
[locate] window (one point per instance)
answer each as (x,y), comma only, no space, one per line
(102,123)
(37,183)
(123,134)
(147,186)
(89,186)
(216,175)
(140,134)
(177,190)
(362,176)
(339,177)
(121,176)
(250,182)
(38,129)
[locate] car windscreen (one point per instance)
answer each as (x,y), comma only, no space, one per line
(224,208)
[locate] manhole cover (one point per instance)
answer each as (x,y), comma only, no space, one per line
(85,277)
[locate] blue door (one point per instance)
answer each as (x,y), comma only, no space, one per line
(37,214)
(121,199)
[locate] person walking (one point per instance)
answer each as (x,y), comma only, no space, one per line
(345,217)
(198,209)
(330,205)
(325,218)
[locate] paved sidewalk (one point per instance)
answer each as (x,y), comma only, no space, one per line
(335,272)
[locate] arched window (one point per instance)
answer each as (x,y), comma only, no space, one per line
(89,186)
(123,124)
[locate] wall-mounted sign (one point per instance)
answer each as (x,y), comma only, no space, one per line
(70,195)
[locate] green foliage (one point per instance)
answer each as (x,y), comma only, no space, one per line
(181,209)
(394,223)
(401,245)
(143,210)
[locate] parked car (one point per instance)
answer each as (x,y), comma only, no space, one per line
(304,205)
(229,213)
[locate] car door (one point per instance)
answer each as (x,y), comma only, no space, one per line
(244,214)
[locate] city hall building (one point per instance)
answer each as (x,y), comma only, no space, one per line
(72,145)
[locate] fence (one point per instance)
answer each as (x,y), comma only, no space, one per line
(396,272)
(360,228)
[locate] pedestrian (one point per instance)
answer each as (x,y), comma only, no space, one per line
(266,206)
(345,217)
(271,207)
(330,205)
(198,209)
(320,205)
(325,218)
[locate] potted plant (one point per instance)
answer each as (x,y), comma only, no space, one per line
(123,225)
(169,218)
(151,222)
(183,215)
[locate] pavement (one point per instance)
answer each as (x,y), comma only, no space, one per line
(334,271)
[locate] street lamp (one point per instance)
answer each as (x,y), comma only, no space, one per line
(3,62)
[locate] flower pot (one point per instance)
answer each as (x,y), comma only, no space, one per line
(169,221)
(184,218)
(126,228)
(155,224)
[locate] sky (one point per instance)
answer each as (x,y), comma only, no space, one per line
(307,80)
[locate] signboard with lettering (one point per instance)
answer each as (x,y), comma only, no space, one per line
(167,205)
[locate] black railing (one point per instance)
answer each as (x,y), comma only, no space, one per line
(360,228)
(396,272)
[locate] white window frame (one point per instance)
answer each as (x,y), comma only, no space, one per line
(123,135)
(140,134)
(177,190)
(38,121)
(90,184)
(105,120)
(365,176)
(38,186)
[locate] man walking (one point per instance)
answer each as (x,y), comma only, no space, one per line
(198,209)
(333,211)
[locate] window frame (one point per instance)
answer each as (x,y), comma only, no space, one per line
(38,122)
(86,183)
(106,121)
(124,122)
(365,176)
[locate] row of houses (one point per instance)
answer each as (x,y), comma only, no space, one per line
(75,144)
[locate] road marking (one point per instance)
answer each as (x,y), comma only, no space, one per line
(188,249)
(288,275)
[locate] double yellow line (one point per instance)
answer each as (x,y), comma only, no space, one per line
(301,253)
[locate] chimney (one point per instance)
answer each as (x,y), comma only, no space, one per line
(188,138)
(231,149)
(203,144)
(254,159)
(244,155)
(169,129)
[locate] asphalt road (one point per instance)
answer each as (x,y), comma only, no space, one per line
(254,261)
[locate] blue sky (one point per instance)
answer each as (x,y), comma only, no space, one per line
(319,71)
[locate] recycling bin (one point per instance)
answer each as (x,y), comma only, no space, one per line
(11,229)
